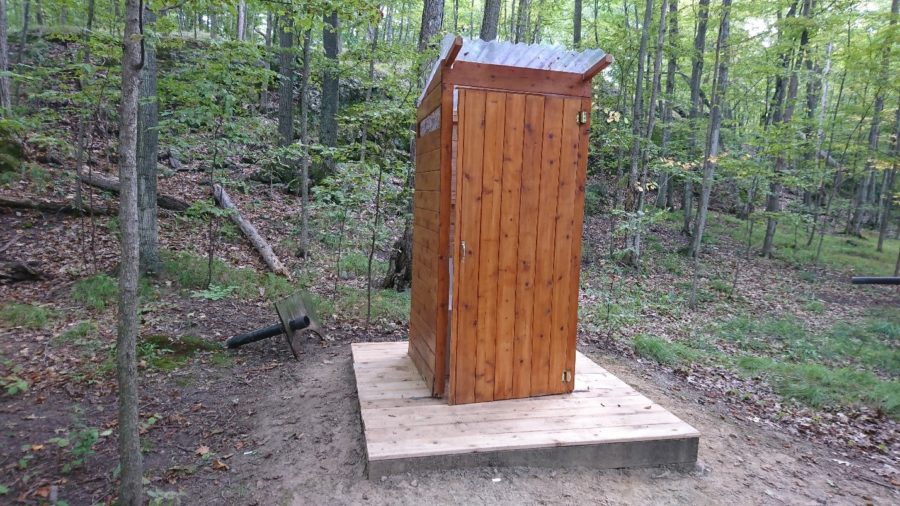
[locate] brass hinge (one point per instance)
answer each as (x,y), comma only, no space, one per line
(567,376)
(582,117)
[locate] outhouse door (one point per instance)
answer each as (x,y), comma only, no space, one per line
(516,245)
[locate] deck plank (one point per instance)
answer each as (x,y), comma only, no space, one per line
(602,423)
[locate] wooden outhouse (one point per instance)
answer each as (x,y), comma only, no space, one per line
(501,155)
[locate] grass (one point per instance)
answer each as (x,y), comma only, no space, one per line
(189,271)
(851,254)
(388,305)
(819,386)
(167,353)
(30,316)
(665,352)
(96,292)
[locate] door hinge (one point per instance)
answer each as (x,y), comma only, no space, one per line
(567,376)
(582,117)
(462,250)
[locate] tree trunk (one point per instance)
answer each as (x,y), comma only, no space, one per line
(720,87)
(5,99)
(633,237)
(147,142)
(432,20)
(112,185)
(50,206)
(523,21)
(887,190)
(399,274)
(261,245)
(490,20)
(330,88)
(241,20)
(286,81)
(304,140)
(779,113)
(664,196)
(20,54)
(576,25)
(687,197)
(130,459)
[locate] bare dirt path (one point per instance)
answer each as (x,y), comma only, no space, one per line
(309,449)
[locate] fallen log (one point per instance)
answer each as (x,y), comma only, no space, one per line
(249,230)
(112,185)
(56,207)
(13,271)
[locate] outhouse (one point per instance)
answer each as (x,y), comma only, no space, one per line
(501,155)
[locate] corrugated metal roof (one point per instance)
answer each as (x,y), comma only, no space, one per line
(533,56)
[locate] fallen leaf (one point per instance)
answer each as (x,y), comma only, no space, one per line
(218,465)
(43,492)
(203,450)
(37,448)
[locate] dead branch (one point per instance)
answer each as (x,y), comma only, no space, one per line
(249,230)
(112,185)
(56,207)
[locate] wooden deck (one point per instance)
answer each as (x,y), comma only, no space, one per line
(604,423)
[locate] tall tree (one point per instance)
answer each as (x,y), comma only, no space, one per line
(633,237)
(522,23)
(330,87)
(576,24)
(720,87)
(663,198)
(147,143)
(241,20)
(432,20)
(286,80)
(782,111)
(864,194)
(491,19)
(130,460)
(5,100)
(304,140)
(887,190)
(687,197)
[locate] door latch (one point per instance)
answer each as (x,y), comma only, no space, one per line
(582,117)
(566,376)
(462,250)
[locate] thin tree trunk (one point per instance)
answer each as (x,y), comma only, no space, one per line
(633,237)
(523,21)
(20,54)
(720,87)
(241,20)
(664,195)
(687,198)
(372,247)
(5,99)
(576,24)
(286,81)
(304,140)
(130,459)
(887,190)
(490,20)
(330,86)
(148,138)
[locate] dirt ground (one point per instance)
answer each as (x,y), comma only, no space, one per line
(308,448)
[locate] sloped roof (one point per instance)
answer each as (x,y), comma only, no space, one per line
(534,56)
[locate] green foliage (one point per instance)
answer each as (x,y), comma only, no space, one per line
(214,292)
(13,384)
(664,351)
(96,292)
(189,271)
(821,386)
(30,316)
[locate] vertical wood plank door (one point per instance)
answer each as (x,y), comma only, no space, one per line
(519,210)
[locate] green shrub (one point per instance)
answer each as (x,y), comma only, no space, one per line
(29,316)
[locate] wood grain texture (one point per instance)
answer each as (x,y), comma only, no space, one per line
(511,184)
(577,231)
(565,235)
(544,261)
(471,156)
(520,80)
(488,271)
(526,251)
(404,424)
